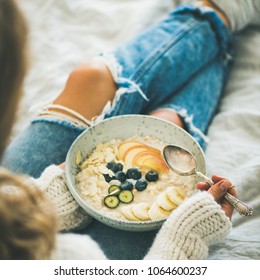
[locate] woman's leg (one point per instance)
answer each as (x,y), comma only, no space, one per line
(194,106)
(89,87)
(145,71)
(139,76)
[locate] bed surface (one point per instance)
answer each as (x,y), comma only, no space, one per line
(65,33)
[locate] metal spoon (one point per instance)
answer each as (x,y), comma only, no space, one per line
(183,163)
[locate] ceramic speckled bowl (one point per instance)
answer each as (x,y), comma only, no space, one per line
(123,127)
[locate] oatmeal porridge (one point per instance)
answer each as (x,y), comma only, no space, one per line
(129,179)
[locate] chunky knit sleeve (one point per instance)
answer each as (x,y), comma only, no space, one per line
(191,228)
(53,184)
(71,246)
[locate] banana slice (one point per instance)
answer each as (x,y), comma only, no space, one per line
(128,213)
(140,210)
(176,195)
(78,158)
(156,212)
(164,202)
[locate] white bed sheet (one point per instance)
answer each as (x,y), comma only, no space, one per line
(66,33)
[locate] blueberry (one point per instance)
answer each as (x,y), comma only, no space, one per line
(151,176)
(120,166)
(127,185)
(133,173)
(121,176)
(141,185)
(108,178)
(112,166)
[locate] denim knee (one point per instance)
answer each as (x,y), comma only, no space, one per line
(43,143)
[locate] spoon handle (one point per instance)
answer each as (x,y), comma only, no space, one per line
(242,208)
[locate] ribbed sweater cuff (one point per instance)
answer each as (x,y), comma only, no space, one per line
(191,228)
(70,214)
(49,175)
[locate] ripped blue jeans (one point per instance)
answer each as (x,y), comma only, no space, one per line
(179,64)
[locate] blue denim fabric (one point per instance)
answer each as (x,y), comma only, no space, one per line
(180,64)
(202,93)
(156,67)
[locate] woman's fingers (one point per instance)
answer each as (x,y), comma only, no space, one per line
(203,186)
(216,178)
(218,190)
(62,166)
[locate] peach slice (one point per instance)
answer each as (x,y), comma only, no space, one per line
(123,147)
(153,150)
(135,153)
(131,153)
(142,156)
(155,163)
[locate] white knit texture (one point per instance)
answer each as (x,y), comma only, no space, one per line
(191,228)
(53,184)
(71,246)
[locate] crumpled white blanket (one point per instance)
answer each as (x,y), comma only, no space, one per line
(66,33)
(234,149)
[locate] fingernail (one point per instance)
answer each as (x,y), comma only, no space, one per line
(224,186)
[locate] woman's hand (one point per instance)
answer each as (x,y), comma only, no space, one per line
(218,190)
(62,165)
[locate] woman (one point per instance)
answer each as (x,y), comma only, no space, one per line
(171,240)
(25,232)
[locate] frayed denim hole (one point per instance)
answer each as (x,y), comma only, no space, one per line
(187,120)
(124,85)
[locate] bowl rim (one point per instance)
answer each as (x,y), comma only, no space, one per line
(100,216)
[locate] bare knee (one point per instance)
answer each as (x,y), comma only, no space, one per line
(168,115)
(88,88)
(90,77)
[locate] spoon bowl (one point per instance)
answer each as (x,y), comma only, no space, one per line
(182,162)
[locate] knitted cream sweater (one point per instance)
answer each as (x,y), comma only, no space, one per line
(71,216)
(187,233)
